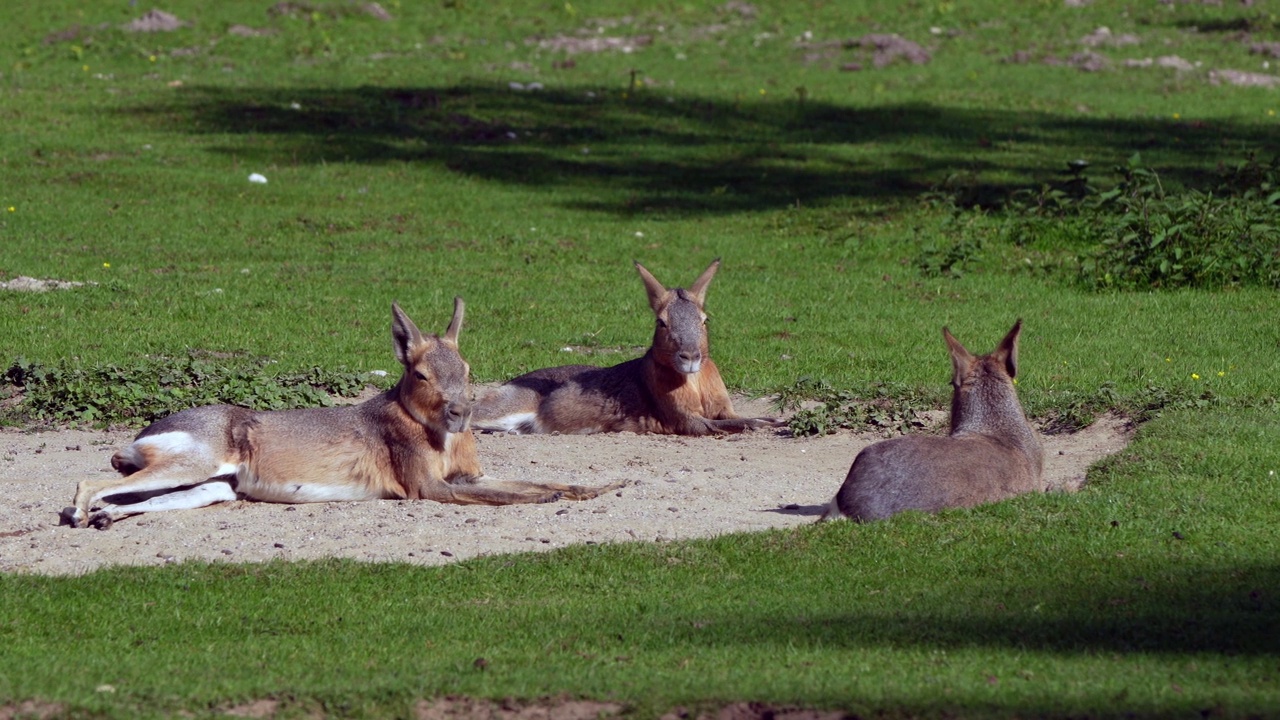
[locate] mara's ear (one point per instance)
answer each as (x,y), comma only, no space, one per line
(699,287)
(961,358)
(404,334)
(1007,351)
(656,291)
(455,325)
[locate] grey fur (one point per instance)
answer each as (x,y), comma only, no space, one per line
(991,454)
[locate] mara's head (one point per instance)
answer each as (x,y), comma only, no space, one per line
(680,336)
(433,389)
(982,382)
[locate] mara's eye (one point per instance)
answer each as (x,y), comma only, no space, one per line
(420,376)
(662,323)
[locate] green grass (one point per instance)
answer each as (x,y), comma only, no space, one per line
(393,175)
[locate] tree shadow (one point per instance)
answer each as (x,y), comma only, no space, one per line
(1231,611)
(684,154)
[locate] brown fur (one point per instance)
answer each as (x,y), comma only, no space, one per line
(410,442)
(991,454)
(675,388)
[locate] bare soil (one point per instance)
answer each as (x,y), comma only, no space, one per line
(681,488)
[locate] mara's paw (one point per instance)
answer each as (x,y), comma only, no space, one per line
(551,497)
(581,492)
(72,516)
(101,521)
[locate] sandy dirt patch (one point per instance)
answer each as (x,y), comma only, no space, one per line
(681,488)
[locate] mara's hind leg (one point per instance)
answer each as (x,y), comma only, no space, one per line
(152,480)
(204,494)
(507,409)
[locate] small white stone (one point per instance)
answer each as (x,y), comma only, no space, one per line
(257,178)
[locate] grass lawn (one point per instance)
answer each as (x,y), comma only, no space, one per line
(460,149)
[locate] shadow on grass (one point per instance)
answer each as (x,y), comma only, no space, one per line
(1182,610)
(685,154)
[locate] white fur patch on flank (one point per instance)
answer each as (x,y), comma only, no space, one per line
(513,423)
(226,469)
(300,492)
(176,443)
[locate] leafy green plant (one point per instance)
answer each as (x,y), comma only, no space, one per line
(1073,411)
(1136,235)
(949,259)
(104,394)
(1152,238)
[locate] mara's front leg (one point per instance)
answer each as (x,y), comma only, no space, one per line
(740,424)
(460,462)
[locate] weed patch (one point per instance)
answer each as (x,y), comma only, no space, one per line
(1136,235)
(898,409)
(137,394)
(887,407)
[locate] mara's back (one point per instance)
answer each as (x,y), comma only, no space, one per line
(991,453)
(933,473)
